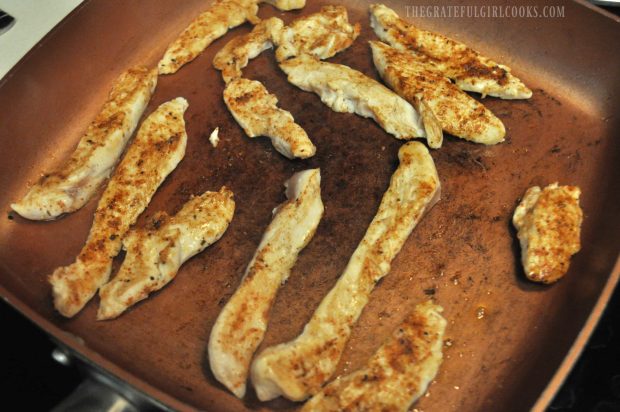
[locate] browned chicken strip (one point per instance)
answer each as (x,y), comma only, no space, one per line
(396,375)
(469,69)
(242,323)
(212,24)
(155,254)
(321,35)
(548,222)
(236,54)
(155,152)
(456,112)
(299,368)
(256,111)
(68,188)
(346,90)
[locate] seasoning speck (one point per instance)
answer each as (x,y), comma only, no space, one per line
(429,291)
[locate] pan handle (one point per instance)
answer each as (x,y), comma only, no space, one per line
(100,391)
(95,396)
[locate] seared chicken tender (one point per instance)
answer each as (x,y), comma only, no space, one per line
(469,69)
(346,90)
(155,254)
(241,325)
(286,5)
(212,24)
(548,223)
(457,113)
(299,368)
(397,374)
(321,34)
(74,183)
(239,51)
(155,152)
(256,111)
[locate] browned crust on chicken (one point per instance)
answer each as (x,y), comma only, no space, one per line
(210,25)
(397,374)
(469,69)
(256,111)
(155,253)
(236,54)
(242,323)
(322,34)
(549,229)
(429,90)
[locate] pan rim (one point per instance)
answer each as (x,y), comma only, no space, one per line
(580,342)
(89,355)
(598,9)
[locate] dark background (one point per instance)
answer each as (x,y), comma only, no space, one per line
(32,379)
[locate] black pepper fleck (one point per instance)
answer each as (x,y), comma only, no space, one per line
(429,291)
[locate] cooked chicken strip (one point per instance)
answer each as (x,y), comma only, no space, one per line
(346,90)
(286,5)
(241,325)
(74,183)
(548,223)
(457,112)
(299,368)
(321,34)
(157,149)
(236,54)
(469,69)
(212,24)
(397,374)
(154,255)
(256,111)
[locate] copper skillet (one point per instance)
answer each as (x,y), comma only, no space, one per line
(463,253)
